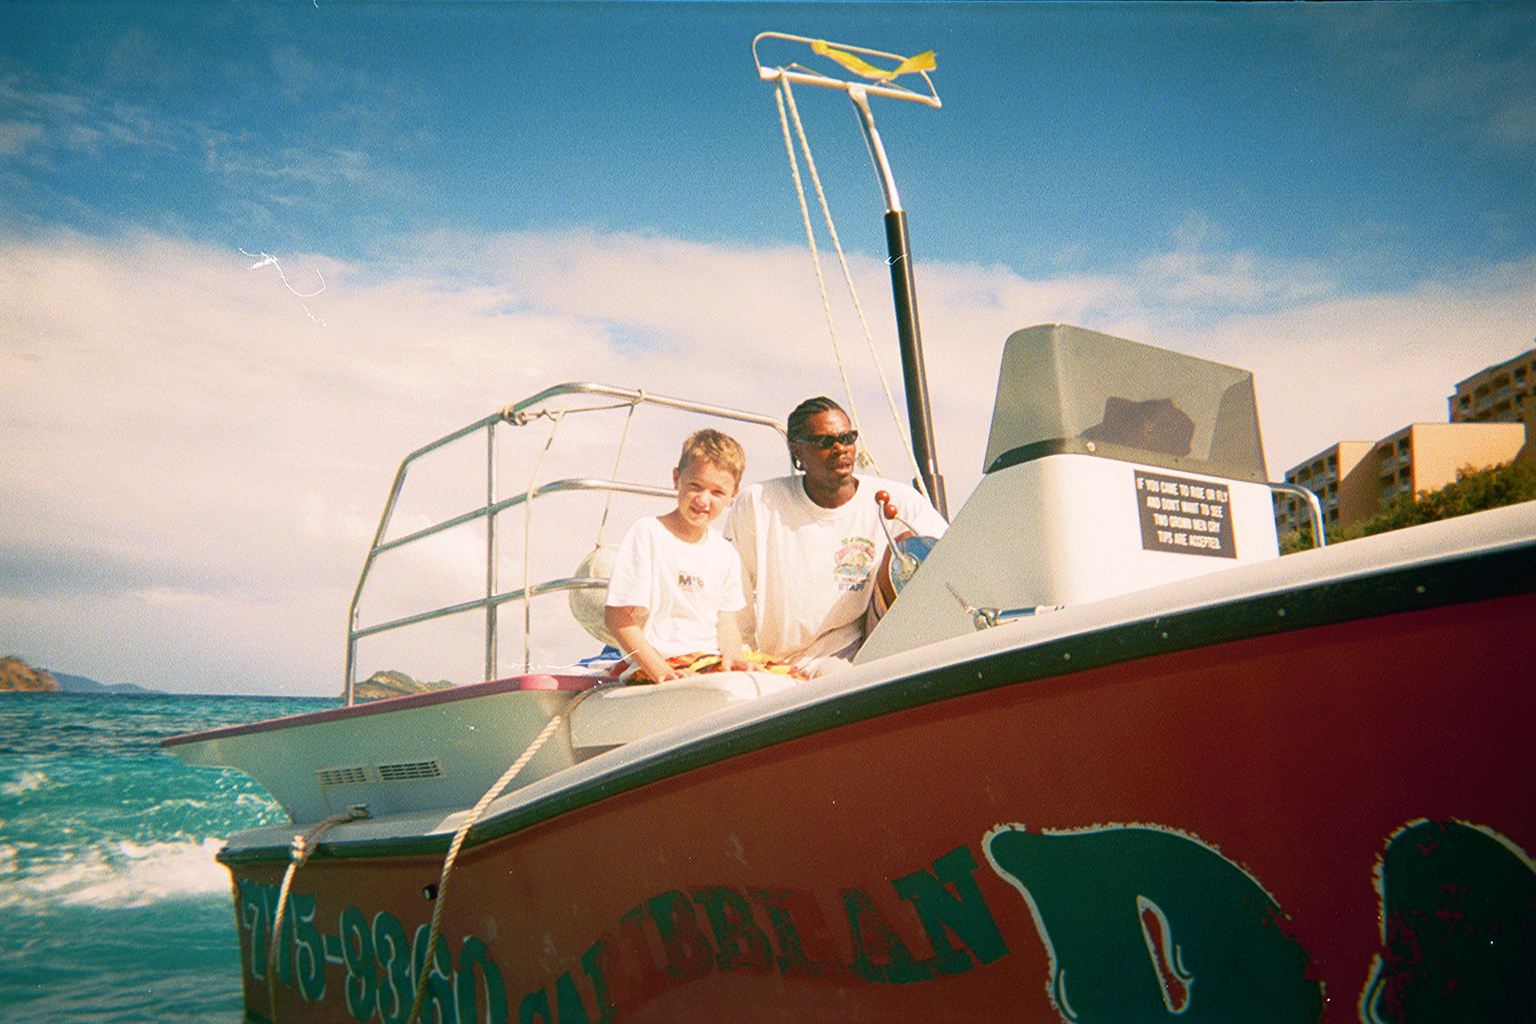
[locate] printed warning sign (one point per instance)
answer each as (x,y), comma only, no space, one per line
(1190,517)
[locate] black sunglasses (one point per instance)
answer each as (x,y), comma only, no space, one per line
(826,441)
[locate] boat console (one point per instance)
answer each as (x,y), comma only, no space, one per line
(1111,467)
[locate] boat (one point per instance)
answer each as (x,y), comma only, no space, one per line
(1107,756)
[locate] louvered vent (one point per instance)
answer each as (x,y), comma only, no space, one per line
(408,770)
(342,776)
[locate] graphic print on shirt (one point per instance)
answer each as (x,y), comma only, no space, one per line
(689,582)
(855,560)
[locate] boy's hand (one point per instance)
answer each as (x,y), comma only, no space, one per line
(735,663)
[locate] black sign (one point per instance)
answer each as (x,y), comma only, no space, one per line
(1190,517)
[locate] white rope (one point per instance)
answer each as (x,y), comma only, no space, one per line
(301,847)
(469,822)
(784,95)
(781,95)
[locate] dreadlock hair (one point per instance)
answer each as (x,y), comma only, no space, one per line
(794,427)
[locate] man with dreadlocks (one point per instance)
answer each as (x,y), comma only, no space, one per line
(811,543)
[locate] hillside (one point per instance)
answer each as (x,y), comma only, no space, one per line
(82,684)
(19,677)
(389,683)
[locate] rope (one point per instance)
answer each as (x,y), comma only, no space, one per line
(784,95)
(617,458)
(302,847)
(458,842)
(556,418)
(781,95)
(522,419)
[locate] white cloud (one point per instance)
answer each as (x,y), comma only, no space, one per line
(195,456)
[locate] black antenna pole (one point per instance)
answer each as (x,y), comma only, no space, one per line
(908,330)
(913,372)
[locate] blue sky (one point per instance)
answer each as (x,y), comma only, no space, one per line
(1074,137)
(468,201)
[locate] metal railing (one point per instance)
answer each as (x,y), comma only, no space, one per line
(1314,508)
(518,415)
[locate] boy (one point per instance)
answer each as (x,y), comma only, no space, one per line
(676,584)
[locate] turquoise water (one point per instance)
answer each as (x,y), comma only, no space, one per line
(112,907)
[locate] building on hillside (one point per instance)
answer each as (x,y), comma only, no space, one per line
(1344,479)
(1426,456)
(1502,393)
(1354,480)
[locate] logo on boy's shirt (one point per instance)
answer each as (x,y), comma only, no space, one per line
(853,563)
(689,582)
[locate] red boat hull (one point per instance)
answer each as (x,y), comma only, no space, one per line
(1324,822)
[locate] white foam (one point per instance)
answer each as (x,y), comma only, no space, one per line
(26,783)
(126,874)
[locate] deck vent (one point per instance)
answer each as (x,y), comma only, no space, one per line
(408,770)
(342,776)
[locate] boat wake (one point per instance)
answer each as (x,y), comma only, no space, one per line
(115,875)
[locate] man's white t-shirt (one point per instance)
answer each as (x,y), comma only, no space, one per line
(808,570)
(683,587)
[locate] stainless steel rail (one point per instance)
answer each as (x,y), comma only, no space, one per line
(1314,507)
(518,414)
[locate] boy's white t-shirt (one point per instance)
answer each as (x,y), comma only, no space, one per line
(683,587)
(808,569)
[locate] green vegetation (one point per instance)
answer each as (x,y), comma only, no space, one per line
(1473,491)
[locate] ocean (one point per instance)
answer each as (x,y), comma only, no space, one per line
(112,907)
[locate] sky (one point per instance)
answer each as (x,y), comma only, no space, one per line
(254,253)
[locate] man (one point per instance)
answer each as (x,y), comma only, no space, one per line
(811,542)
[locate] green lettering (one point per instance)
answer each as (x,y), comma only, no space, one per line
(592,961)
(395,957)
(568,1001)
(688,952)
(257,919)
(739,943)
(1458,909)
(362,985)
(879,955)
(630,974)
(535,1003)
(437,1002)
(1141,922)
(964,912)
(476,953)
(311,948)
(804,937)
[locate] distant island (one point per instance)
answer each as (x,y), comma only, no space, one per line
(19,677)
(16,676)
(389,683)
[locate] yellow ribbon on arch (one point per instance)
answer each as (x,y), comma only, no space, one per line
(924,61)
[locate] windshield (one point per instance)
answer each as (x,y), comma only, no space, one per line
(1066,389)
